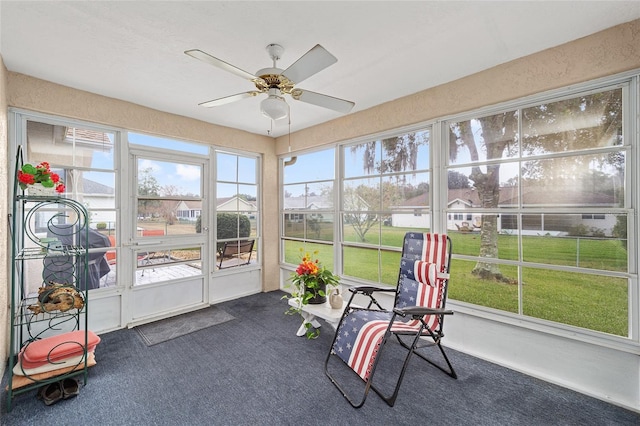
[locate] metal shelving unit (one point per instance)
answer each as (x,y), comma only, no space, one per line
(49,245)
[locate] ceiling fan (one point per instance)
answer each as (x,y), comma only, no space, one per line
(276,82)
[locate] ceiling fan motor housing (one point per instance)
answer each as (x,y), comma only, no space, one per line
(271,78)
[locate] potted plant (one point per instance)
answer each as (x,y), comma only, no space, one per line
(311,283)
(40,177)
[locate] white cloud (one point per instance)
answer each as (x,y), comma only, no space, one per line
(188,172)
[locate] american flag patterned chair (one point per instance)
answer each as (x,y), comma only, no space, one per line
(416,319)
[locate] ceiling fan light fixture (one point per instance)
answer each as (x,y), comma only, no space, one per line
(274,107)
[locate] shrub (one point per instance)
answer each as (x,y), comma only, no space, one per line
(620,229)
(101,225)
(229,225)
(579,230)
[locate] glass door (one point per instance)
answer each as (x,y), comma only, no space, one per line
(169,234)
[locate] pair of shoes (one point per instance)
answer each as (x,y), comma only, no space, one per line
(54,392)
(50,393)
(70,387)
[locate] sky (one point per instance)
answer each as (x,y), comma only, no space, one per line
(186,177)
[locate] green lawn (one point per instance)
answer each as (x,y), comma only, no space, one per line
(589,301)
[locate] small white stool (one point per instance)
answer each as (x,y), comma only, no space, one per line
(323,310)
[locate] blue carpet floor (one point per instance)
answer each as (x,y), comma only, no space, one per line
(254,370)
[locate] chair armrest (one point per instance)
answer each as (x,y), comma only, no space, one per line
(368,290)
(420,311)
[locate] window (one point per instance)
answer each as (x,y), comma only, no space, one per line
(547,184)
(237,213)
(593,216)
(85,160)
(308,206)
(385,192)
(537,202)
(168,200)
(169,197)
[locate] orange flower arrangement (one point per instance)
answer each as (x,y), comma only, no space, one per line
(310,281)
(311,278)
(307,267)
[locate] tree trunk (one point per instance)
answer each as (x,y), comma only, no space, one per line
(488,186)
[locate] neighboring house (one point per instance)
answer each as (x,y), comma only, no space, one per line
(99,199)
(188,210)
(463,199)
(96,196)
(414,213)
(191,210)
(236,204)
(312,202)
(558,197)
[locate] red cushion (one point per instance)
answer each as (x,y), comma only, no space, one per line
(25,368)
(58,347)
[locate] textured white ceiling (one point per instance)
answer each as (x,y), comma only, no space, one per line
(133,50)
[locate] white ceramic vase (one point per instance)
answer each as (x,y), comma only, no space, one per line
(335,299)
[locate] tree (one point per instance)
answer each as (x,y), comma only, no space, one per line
(497,133)
(359,218)
(167,208)
(247,197)
(147,183)
(397,154)
(148,186)
(314,223)
(593,120)
(458,180)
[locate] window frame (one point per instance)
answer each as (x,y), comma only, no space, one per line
(257,214)
(631,144)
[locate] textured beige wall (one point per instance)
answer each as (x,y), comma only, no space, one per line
(4,231)
(608,52)
(43,96)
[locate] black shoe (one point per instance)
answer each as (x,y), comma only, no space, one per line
(70,387)
(50,393)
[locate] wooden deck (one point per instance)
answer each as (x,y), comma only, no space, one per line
(155,271)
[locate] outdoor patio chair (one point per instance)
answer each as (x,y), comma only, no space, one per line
(416,320)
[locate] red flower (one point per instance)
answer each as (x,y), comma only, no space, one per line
(60,188)
(26,178)
(41,173)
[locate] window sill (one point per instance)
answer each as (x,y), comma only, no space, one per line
(547,327)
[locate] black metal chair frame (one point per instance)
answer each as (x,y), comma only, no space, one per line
(419,338)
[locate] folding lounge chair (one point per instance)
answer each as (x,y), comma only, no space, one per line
(416,319)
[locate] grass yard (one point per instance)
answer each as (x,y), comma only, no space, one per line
(594,302)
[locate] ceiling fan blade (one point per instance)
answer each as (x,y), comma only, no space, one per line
(325,101)
(229,99)
(205,57)
(313,61)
